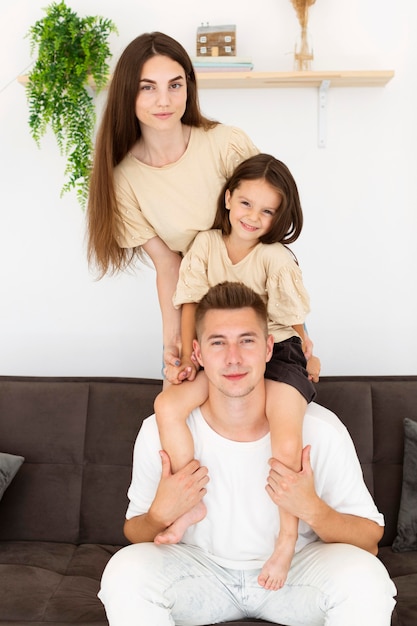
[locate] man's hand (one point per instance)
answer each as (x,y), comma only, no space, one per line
(178,493)
(294,491)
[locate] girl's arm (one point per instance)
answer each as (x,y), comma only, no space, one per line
(187,337)
(167,265)
(313,362)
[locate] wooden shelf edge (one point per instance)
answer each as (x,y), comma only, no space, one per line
(257,80)
(234,80)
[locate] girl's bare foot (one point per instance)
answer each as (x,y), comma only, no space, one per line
(275,570)
(175,532)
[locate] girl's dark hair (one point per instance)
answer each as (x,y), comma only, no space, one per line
(119,130)
(288,221)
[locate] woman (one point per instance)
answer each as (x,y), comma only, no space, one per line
(159,166)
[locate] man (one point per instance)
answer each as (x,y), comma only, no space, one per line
(211,576)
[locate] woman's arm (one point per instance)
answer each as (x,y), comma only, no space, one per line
(167,264)
(187,367)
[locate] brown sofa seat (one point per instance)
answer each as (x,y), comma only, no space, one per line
(62,516)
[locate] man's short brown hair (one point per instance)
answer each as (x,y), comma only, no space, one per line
(229,296)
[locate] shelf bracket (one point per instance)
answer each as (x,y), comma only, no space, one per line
(322,121)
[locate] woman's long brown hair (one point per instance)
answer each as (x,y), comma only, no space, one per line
(118,132)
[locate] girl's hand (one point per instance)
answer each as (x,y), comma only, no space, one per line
(190,368)
(184,369)
(313,368)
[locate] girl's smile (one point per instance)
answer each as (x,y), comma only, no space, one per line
(248,227)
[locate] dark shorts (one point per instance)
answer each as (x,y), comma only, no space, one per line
(288,365)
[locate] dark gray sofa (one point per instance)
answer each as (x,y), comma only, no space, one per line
(61,517)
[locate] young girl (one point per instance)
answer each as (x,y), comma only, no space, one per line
(258,212)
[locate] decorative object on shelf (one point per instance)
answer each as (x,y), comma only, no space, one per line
(214,41)
(222,64)
(303,53)
(72,52)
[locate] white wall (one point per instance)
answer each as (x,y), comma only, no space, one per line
(357,250)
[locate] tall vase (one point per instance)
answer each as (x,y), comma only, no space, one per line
(303,51)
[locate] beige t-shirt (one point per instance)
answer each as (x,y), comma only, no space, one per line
(269,269)
(178,200)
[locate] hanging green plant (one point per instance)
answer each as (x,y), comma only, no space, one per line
(72,53)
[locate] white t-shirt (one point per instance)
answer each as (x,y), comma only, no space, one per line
(242,522)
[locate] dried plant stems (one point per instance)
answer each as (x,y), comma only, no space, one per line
(301,8)
(303,54)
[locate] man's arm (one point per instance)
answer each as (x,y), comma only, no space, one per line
(295,492)
(176,494)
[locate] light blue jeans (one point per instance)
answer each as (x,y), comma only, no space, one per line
(328,584)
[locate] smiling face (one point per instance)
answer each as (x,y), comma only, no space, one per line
(233,347)
(162,95)
(252,206)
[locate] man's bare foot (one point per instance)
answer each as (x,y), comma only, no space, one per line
(274,572)
(175,532)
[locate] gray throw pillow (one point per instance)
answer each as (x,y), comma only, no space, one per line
(9,465)
(406,538)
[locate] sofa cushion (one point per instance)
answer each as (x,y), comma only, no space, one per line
(52,582)
(406,538)
(47,427)
(406,609)
(9,465)
(77,437)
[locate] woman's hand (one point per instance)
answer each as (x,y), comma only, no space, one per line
(180,370)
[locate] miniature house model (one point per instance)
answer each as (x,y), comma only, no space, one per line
(216,40)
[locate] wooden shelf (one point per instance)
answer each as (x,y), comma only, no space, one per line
(258,80)
(320,80)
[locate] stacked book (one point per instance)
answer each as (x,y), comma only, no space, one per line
(222,64)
